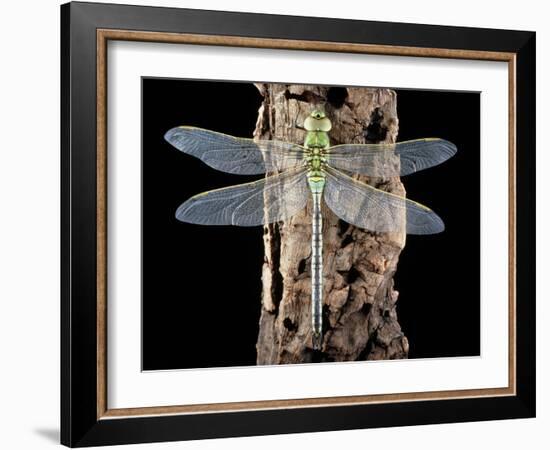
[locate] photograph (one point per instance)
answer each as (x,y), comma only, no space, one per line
(291,224)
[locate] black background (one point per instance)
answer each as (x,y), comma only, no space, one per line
(201,284)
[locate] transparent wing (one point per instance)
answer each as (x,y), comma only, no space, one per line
(235,155)
(274,198)
(390,160)
(367,207)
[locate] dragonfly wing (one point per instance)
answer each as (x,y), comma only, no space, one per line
(277,197)
(391,160)
(367,207)
(235,155)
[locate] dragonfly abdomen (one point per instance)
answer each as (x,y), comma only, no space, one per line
(317,271)
(316,181)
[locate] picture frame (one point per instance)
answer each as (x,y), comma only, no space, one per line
(86,30)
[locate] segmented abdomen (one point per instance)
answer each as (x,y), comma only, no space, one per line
(317,269)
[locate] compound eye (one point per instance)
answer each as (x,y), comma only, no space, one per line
(309,123)
(324,124)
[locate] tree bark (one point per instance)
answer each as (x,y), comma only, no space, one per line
(359,311)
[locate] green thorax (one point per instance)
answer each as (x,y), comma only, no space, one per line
(316,139)
(317,126)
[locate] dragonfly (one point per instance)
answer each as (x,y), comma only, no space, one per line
(316,170)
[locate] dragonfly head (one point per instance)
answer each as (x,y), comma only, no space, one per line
(317,121)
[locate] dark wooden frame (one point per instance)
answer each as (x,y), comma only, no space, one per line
(85,417)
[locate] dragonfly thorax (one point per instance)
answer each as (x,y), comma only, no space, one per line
(316,142)
(316,139)
(316,162)
(316,158)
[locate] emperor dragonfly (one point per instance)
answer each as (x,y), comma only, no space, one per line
(314,168)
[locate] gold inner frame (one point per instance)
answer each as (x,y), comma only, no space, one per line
(104,35)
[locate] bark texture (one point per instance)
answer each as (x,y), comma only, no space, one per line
(359,311)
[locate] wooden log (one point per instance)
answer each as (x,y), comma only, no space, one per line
(359,311)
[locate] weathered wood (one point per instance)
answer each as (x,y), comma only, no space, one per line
(360,319)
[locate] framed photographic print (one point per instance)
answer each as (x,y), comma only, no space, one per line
(277,224)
